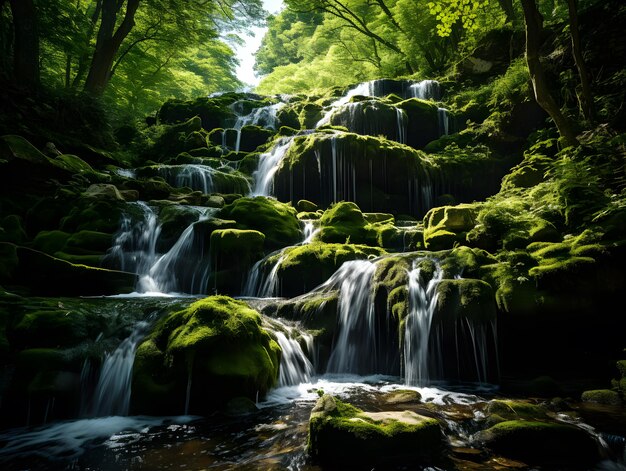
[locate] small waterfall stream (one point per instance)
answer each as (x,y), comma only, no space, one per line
(422,305)
(295,366)
(268,165)
(112,393)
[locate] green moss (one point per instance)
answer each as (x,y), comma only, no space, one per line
(513,410)
(340,433)
(50,241)
(465,298)
(217,340)
(12,230)
(602,396)
(276,220)
(445,225)
(307,266)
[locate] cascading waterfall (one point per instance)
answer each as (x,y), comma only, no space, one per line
(265,116)
(185,267)
(402,123)
(263,284)
(268,165)
(422,304)
(355,350)
(112,393)
(426,90)
(295,366)
(134,247)
(370,88)
(444,121)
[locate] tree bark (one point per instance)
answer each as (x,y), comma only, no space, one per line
(26,43)
(534,33)
(108,43)
(586,96)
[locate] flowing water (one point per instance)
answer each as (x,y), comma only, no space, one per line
(369,358)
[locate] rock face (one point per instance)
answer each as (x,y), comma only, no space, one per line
(342,435)
(199,358)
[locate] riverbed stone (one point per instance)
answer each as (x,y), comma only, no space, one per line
(341,434)
(542,443)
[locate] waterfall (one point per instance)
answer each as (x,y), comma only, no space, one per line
(268,165)
(265,116)
(185,267)
(295,367)
(370,88)
(401,122)
(355,349)
(444,120)
(426,90)
(422,304)
(259,285)
(134,247)
(309,230)
(112,393)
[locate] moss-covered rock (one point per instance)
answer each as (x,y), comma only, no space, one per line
(277,221)
(304,267)
(216,346)
(602,396)
(542,443)
(342,435)
(446,225)
(233,252)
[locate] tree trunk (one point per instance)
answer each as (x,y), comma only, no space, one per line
(26,45)
(534,32)
(108,43)
(586,97)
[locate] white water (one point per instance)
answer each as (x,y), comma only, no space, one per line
(422,304)
(268,165)
(402,123)
(165,276)
(444,121)
(264,116)
(263,284)
(112,393)
(68,440)
(295,367)
(426,90)
(183,269)
(354,350)
(364,89)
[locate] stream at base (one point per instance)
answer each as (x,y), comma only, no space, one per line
(273,436)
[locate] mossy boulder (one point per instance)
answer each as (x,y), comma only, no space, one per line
(277,221)
(542,443)
(253,137)
(327,167)
(446,225)
(501,410)
(464,298)
(422,121)
(342,435)
(233,252)
(304,267)
(602,396)
(213,351)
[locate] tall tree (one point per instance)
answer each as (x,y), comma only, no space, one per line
(534,39)
(586,96)
(109,41)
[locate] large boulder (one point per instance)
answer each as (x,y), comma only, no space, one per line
(446,225)
(233,252)
(277,221)
(199,358)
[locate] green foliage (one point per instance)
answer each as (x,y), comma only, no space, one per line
(449,12)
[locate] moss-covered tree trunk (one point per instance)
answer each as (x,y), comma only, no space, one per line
(26,43)
(585,97)
(534,36)
(108,43)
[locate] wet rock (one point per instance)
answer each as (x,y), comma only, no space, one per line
(342,435)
